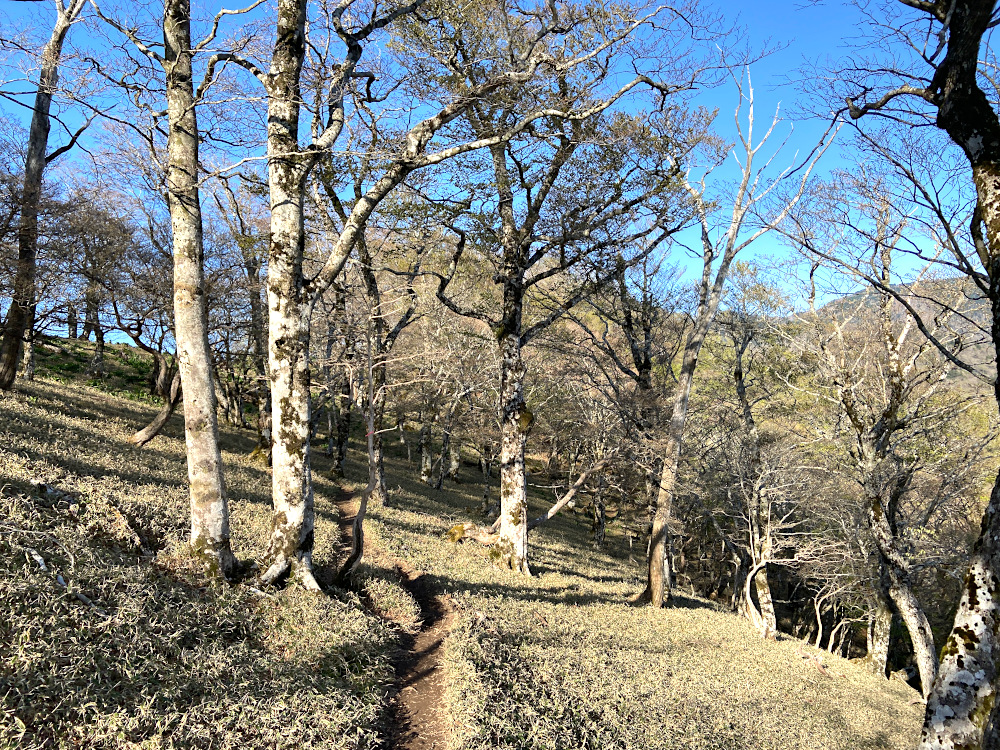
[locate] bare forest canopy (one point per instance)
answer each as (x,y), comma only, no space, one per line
(441,305)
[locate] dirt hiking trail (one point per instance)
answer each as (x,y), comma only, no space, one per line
(419,720)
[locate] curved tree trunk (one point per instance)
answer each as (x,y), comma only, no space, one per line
(153,429)
(766,603)
(896,582)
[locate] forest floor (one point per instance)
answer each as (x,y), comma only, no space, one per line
(111,639)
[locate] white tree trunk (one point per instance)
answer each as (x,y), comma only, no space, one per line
(289,310)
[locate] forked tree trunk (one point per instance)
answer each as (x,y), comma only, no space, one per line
(899,588)
(160,378)
(761,615)
(31,194)
(209,505)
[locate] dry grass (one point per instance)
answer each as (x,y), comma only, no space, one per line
(163,659)
(563,661)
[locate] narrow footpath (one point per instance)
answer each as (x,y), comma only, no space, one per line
(419,720)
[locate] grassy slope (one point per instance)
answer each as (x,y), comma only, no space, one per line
(563,661)
(556,661)
(177,663)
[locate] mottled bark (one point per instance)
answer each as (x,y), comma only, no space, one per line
(289,310)
(209,504)
(962,710)
(34,166)
(454,463)
(72,322)
(769,622)
(879,638)
(28,358)
(511,549)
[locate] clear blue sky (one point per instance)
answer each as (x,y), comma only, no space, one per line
(801,33)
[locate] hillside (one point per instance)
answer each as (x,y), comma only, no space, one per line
(118,643)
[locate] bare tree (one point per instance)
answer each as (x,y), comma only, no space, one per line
(209,503)
(948,80)
(748,220)
(572,204)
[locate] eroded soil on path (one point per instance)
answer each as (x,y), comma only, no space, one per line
(419,720)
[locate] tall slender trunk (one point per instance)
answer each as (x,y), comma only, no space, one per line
(209,505)
(658,569)
(486,466)
(818,606)
(658,574)
(258,340)
(289,310)
(31,194)
(446,458)
(343,420)
(741,571)
(380,495)
(600,514)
